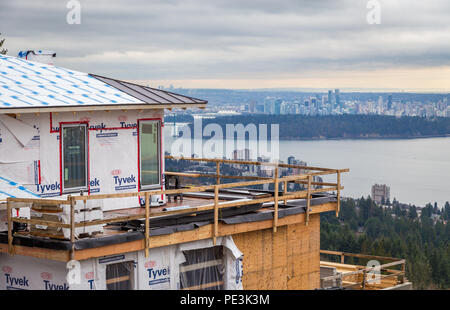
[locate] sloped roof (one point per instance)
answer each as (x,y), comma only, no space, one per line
(28,86)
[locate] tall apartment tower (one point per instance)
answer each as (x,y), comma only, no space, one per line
(390,102)
(330,98)
(338,97)
(380,193)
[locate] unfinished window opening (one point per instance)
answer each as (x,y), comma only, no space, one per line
(203,270)
(74,157)
(120,276)
(149,153)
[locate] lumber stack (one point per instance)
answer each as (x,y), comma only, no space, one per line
(90,210)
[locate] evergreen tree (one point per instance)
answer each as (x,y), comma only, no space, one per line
(2,50)
(424,244)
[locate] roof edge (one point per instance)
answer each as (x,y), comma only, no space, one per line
(143,106)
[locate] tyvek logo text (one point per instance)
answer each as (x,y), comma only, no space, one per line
(13,282)
(158,275)
(124,183)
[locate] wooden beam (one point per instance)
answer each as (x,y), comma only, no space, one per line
(72,226)
(10,227)
(308,200)
(39,201)
(338,193)
(216,214)
(339,253)
(147,224)
(217,172)
(56,255)
(275,213)
(246,162)
(200,233)
(42,222)
(217,176)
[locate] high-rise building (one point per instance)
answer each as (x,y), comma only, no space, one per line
(330,98)
(268,105)
(252,106)
(338,97)
(277,106)
(380,193)
(389,102)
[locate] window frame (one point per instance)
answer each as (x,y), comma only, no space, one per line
(159,135)
(131,275)
(86,158)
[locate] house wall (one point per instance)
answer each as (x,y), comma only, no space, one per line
(288,259)
(113,153)
(160,270)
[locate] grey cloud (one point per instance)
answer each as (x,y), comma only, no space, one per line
(222,39)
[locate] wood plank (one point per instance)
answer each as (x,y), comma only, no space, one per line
(308,200)
(200,233)
(203,286)
(117,280)
(147,224)
(275,213)
(10,227)
(216,214)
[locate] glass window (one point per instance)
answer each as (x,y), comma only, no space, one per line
(203,269)
(74,165)
(149,148)
(120,276)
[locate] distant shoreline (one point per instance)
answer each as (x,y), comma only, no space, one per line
(367,138)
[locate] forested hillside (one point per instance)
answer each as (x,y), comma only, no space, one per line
(395,231)
(337,126)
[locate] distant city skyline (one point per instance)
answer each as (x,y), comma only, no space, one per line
(235,44)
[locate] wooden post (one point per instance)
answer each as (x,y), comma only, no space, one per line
(147,223)
(338,193)
(275,213)
(216,213)
(10,227)
(217,172)
(308,200)
(342,258)
(72,226)
(285,191)
(364,279)
(402,278)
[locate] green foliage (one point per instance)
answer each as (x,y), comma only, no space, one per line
(2,50)
(337,126)
(364,227)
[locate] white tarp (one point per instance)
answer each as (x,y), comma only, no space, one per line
(19,142)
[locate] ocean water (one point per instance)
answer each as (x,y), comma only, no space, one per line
(417,170)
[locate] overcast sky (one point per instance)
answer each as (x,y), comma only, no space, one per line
(242,44)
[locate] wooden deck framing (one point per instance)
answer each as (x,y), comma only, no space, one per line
(209,231)
(356,276)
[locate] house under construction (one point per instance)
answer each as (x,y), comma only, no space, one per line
(87,202)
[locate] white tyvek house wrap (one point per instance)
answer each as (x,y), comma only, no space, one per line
(113,154)
(19,157)
(29,273)
(160,271)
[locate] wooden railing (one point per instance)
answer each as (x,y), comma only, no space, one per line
(363,272)
(17,203)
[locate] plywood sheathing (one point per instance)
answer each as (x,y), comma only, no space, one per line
(287,259)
